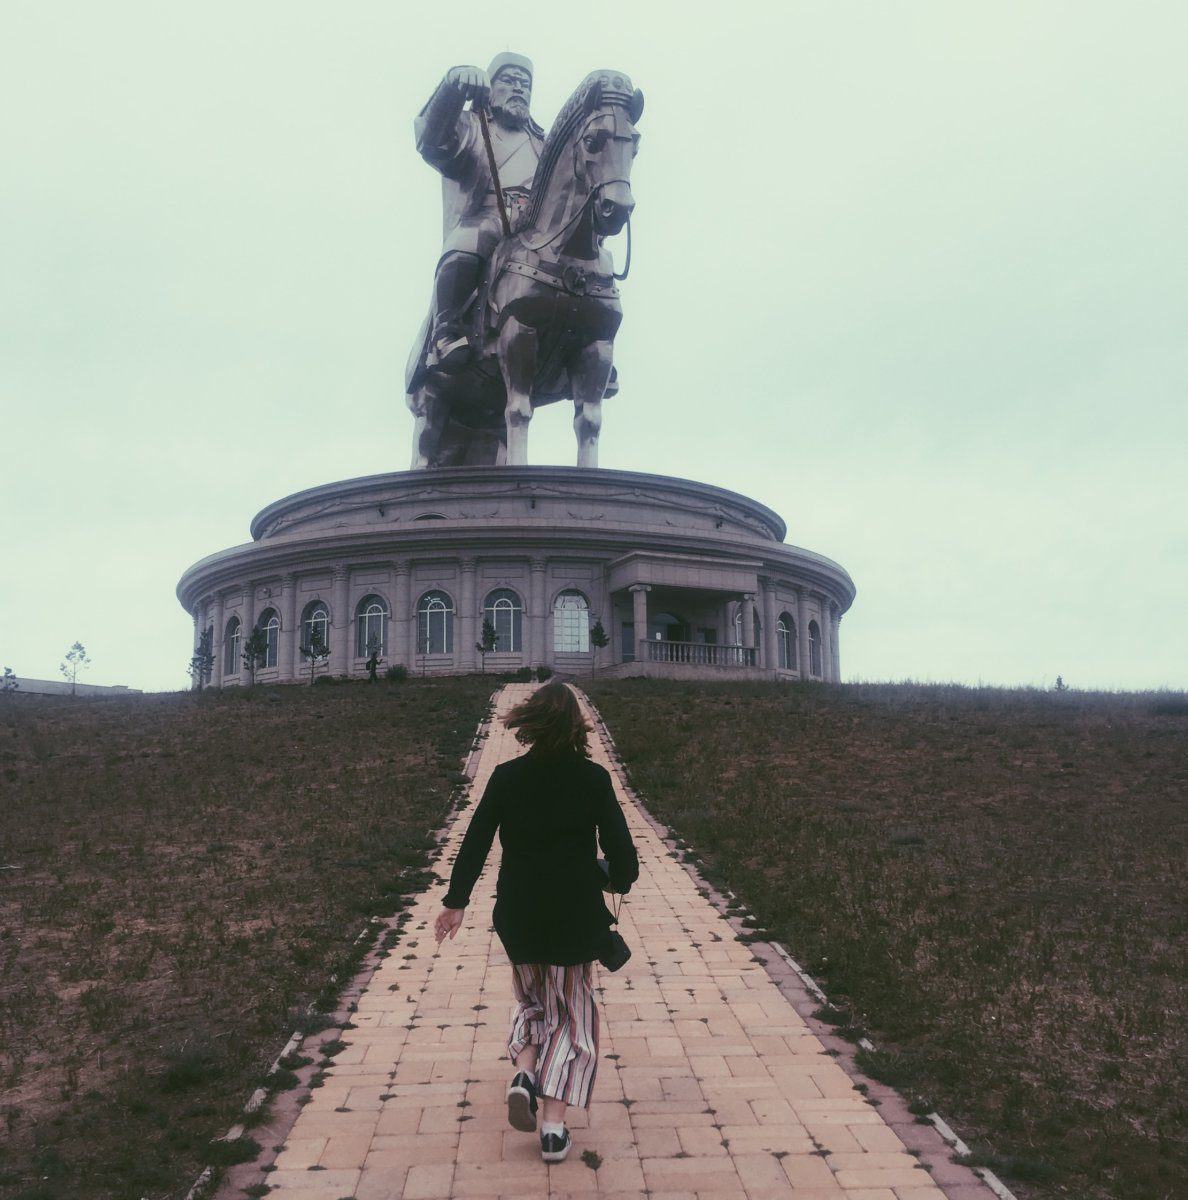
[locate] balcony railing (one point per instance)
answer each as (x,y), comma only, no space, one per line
(697,654)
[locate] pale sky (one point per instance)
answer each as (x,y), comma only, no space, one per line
(914,274)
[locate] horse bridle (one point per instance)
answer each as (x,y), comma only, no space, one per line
(502,203)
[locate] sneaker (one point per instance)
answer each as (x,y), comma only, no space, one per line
(521,1104)
(555,1146)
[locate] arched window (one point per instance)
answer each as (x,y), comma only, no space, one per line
(231,647)
(269,625)
(571,623)
(504,609)
(435,624)
(786,641)
(315,624)
(814,648)
(371,626)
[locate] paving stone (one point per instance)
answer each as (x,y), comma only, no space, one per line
(428,1182)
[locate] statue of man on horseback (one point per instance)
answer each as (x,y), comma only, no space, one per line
(452,141)
(525,307)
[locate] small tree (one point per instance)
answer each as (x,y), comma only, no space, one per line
(255,653)
(599,640)
(202,663)
(76,660)
(487,644)
(374,658)
(9,683)
(1060,685)
(316,651)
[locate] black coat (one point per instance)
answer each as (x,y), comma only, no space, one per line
(552,812)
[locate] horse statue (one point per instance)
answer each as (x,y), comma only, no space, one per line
(546,313)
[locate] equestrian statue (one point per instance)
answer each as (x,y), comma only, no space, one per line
(525,307)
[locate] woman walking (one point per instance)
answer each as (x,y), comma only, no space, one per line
(552,808)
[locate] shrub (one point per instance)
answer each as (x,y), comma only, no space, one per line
(396,673)
(543,673)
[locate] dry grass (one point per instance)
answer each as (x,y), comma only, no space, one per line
(183,875)
(991,883)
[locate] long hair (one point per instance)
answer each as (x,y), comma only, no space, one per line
(550,721)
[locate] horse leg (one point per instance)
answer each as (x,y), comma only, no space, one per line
(517,360)
(588,376)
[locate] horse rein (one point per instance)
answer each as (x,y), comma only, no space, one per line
(482,116)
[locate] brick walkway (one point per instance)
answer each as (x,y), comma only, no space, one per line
(711,1086)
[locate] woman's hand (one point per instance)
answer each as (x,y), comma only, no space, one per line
(449,921)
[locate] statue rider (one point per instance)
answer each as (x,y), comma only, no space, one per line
(451,140)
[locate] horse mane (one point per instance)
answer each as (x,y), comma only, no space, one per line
(616,89)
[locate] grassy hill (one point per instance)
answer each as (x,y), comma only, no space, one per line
(990,883)
(182,876)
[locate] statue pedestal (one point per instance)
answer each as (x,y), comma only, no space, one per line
(687,580)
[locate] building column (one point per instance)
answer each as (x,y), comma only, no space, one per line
(537,615)
(771,638)
(803,651)
(340,624)
(249,612)
(286,650)
(219,623)
(468,628)
(196,613)
(834,642)
(639,607)
(748,620)
(402,626)
(826,642)
(245,632)
(606,615)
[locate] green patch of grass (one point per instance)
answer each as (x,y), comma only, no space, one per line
(1009,1167)
(227,1154)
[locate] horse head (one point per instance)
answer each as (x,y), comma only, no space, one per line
(606,146)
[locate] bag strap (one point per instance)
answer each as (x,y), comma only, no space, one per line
(616,906)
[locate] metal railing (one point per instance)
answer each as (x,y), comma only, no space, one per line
(697,654)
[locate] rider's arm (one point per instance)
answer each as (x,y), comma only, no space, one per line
(442,133)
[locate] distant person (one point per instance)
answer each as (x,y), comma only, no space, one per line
(552,808)
(372,666)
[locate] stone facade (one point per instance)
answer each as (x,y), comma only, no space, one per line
(686,580)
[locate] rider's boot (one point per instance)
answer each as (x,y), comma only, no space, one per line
(454,286)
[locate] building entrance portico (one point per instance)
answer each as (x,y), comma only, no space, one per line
(686,628)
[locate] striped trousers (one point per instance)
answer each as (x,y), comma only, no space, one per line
(555,1011)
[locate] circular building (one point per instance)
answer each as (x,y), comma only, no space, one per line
(682,579)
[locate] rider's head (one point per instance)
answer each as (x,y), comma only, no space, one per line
(511,89)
